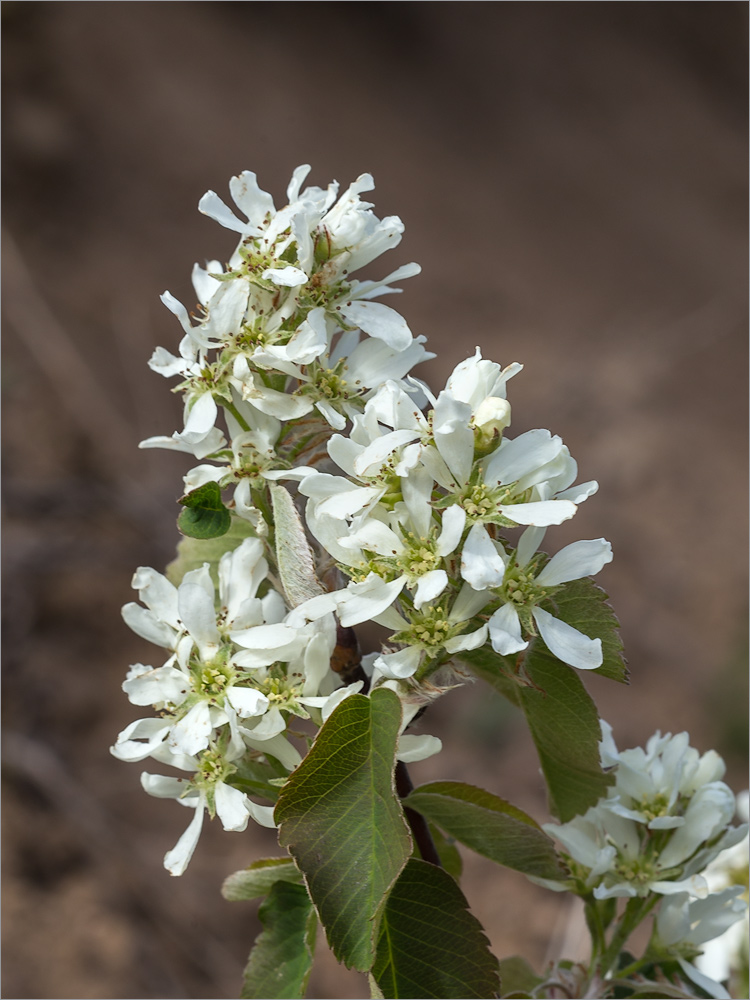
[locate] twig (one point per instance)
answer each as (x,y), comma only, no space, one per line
(416,821)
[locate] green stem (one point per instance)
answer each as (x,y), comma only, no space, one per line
(629,970)
(636,909)
(596,928)
(429,667)
(231,408)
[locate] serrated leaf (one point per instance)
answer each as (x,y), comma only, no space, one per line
(341,819)
(495,669)
(205,515)
(293,554)
(280,962)
(564,725)
(429,944)
(517,977)
(488,825)
(192,553)
(255,881)
(583,604)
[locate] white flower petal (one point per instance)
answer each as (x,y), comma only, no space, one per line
(145,624)
(199,617)
(539,512)
(289,277)
(250,199)
(361,602)
(411,748)
(430,586)
(263,815)
(271,637)
(583,558)
(247,702)
(335,699)
(139,740)
(231,806)
(177,860)
(522,455)
(709,986)
(378,321)
(146,686)
(370,461)
(193,732)
(400,664)
(469,640)
(212,206)
(567,643)
(163,787)
(453,436)
(454,520)
(482,566)
(577,494)
(505,631)
(348,503)
(528,543)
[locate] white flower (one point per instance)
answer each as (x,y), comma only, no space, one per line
(232,806)
(661,823)
(214,677)
(522,587)
(727,952)
(685,924)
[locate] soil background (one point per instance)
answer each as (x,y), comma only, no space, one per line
(573,179)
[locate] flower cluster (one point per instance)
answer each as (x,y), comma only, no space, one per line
(665,818)
(234,675)
(415,521)
(291,370)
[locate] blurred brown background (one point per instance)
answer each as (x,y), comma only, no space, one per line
(573,180)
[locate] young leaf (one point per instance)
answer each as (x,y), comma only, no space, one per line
(249,883)
(429,944)
(192,553)
(488,825)
(565,727)
(583,604)
(280,962)
(205,516)
(340,818)
(293,554)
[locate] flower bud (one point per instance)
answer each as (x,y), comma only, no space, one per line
(491,418)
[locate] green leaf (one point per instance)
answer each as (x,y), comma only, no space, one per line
(192,553)
(249,883)
(293,553)
(429,944)
(517,977)
(565,727)
(205,516)
(488,825)
(448,853)
(495,669)
(583,604)
(343,823)
(255,777)
(280,962)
